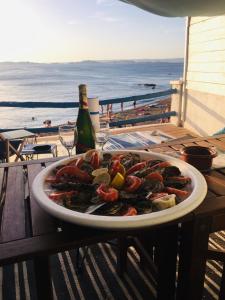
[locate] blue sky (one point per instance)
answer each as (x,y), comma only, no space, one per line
(75,30)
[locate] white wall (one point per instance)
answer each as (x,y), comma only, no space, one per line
(205,112)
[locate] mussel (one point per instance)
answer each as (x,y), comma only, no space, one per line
(171,171)
(153,186)
(109,209)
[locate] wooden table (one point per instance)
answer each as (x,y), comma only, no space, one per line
(8,136)
(27,232)
(209,217)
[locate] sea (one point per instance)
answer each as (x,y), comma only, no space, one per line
(58,82)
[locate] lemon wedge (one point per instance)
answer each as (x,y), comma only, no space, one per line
(102,178)
(118,181)
(99,171)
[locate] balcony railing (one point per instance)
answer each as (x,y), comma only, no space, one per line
(147,97)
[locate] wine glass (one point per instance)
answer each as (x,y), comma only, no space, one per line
(68,137)
(102,135)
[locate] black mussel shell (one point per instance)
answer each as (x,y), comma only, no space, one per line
(153,186)
(144,207)
(171,171)
(86,167)
(109,209)
(153,162)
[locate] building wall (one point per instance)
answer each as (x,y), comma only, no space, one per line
(205,110)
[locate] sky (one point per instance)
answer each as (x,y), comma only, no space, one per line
(76,30)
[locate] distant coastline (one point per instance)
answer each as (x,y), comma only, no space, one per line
(143,60)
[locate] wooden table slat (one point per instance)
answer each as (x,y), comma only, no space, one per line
(195,140)
(30,162)
(204,143)
(160,150)
(177,147)
(42,222)
(2,172)
(216,183)
(211,206)
(218,143)
(13,217)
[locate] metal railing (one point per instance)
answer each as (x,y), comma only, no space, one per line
(148,97)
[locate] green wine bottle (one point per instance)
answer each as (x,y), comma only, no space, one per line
(85,130)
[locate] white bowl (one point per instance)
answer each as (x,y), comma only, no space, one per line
(199,190)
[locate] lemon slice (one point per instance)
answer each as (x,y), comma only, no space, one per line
(99,171)
(102,178)
(117,181)
(122,170)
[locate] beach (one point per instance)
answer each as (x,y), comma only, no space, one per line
(138,111)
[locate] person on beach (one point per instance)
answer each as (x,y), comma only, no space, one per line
(165,109)
(47,123)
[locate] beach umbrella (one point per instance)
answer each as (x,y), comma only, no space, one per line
(181,8)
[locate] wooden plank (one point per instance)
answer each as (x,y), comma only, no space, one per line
(195,20)
(210,24)
(214,67)
(31,162)
(2,172)
(43,277)
(16,134)
(138,97)
(177,147)
(175,143)
(212,88)
(166,256)
(211,206)
(76,236)
(192,259)
(211,35)
(216,183)
(13,218)
(222,139)
(204,143)
(210,194)
(218,78)
(207,46)
(158,150)
(216,142)
(142,119)
(211,56)
(187,144)
(218,222)
(42,223)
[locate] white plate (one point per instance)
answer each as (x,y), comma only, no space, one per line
(199,190)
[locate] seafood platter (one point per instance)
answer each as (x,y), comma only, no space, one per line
(119,189)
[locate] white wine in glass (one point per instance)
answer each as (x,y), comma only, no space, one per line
(102,135)
(68,137)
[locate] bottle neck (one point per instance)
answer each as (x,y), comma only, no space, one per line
(83,96)
(83,103)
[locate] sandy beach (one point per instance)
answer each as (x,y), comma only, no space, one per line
(139,111)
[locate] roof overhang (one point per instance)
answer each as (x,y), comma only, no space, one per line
(181,8)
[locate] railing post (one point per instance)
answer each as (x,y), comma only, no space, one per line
(176,102)
(93,107)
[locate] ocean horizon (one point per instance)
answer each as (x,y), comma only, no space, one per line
(58,82)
